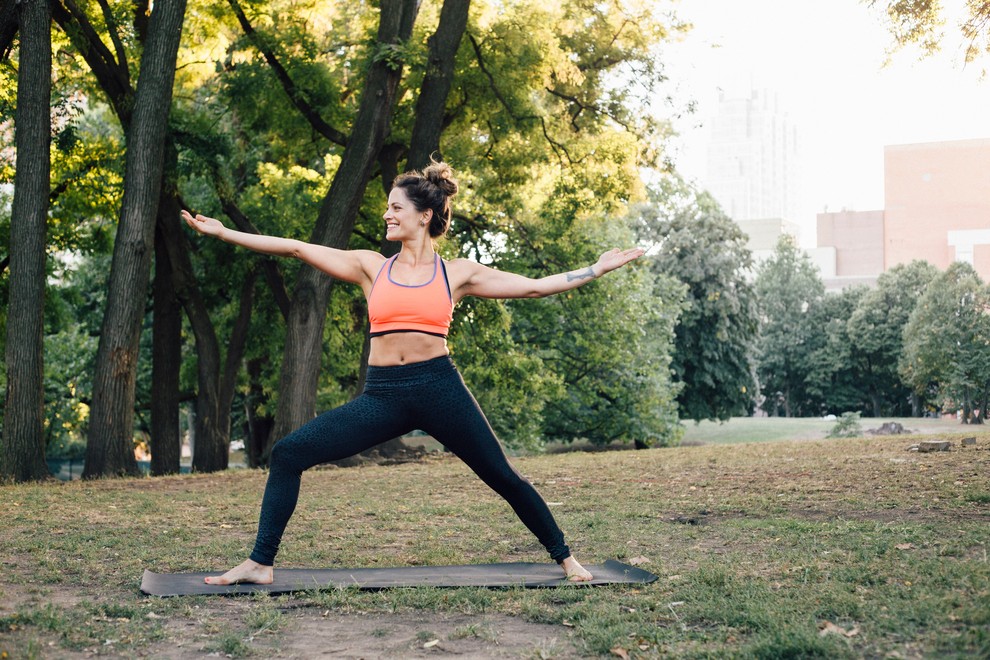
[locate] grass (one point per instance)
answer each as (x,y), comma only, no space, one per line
(786,549)
(771,429)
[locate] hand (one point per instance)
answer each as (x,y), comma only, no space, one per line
(202,224)
(616,258)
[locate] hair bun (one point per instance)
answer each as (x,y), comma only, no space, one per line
(441,175)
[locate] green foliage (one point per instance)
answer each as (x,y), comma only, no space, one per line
(923,23)
(788,289)
(836,364)
(698,245)
(846,427)
(547,145)
(876,329)
(947,341)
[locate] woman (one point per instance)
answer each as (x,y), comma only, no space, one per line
(411,382)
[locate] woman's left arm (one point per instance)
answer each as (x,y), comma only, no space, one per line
(485,282)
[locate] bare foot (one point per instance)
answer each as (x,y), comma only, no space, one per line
(250,571)
(575,572)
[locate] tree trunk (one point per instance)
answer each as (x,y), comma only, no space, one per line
(431,105)
(259,427)
(235,352)
(166,359)
(110,448)
(212,437)
(22,452)
(915,405)
(304,333)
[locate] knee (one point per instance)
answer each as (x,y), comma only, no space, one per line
(284,455)
(505,477)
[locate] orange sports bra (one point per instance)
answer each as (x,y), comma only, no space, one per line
(394,307)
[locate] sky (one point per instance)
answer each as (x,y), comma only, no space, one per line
(826,63)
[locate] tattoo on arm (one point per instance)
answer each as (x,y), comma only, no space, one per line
(584,274)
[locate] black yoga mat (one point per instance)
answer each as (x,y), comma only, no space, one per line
(482,575)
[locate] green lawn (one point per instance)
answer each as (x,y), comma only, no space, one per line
(769,429)
(787,549)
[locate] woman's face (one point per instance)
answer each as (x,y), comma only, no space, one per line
(402,220)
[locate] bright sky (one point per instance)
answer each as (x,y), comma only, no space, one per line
(825,61)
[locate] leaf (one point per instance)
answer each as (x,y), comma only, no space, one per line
(637,561)
(905,546)
(430,644)
(621,652)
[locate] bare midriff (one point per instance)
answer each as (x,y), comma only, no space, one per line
(405,348)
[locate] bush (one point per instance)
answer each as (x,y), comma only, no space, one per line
(847,426)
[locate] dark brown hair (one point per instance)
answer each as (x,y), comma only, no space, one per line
(431,188)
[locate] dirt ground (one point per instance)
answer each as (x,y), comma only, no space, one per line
(307,632)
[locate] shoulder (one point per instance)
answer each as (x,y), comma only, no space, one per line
(369,259)
(461,273)
(462,269)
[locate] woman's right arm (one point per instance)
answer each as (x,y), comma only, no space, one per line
(357,266)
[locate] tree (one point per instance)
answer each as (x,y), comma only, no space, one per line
(109,449)
(539,109)
(788,288)
(22,454)
(876,328)
(921,22)
(301,358)
(837,376)
(947,342)
(704,249)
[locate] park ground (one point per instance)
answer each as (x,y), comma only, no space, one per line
(796,546)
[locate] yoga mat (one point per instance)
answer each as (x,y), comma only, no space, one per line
(482,575)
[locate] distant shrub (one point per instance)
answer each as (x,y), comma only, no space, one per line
(847,426)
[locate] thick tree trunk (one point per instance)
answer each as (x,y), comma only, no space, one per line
(22,453)
(110,449)
(304,334)
(166,359)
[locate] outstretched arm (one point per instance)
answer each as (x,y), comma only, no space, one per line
(486,282)
(348,265)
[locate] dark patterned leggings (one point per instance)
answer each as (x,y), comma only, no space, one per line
(429,396)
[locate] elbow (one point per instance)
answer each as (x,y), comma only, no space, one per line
(536,292)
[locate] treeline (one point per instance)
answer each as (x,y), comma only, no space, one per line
(917,343)
(292,118)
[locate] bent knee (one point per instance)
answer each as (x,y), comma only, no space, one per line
(285,455)
(506,479)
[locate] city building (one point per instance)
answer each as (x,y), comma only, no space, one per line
(936,209)
(753,166)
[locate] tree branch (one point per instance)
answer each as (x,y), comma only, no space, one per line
(294,93)
(554,145)
(112,78)
(118,45)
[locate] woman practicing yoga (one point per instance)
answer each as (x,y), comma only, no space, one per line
(411,382)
